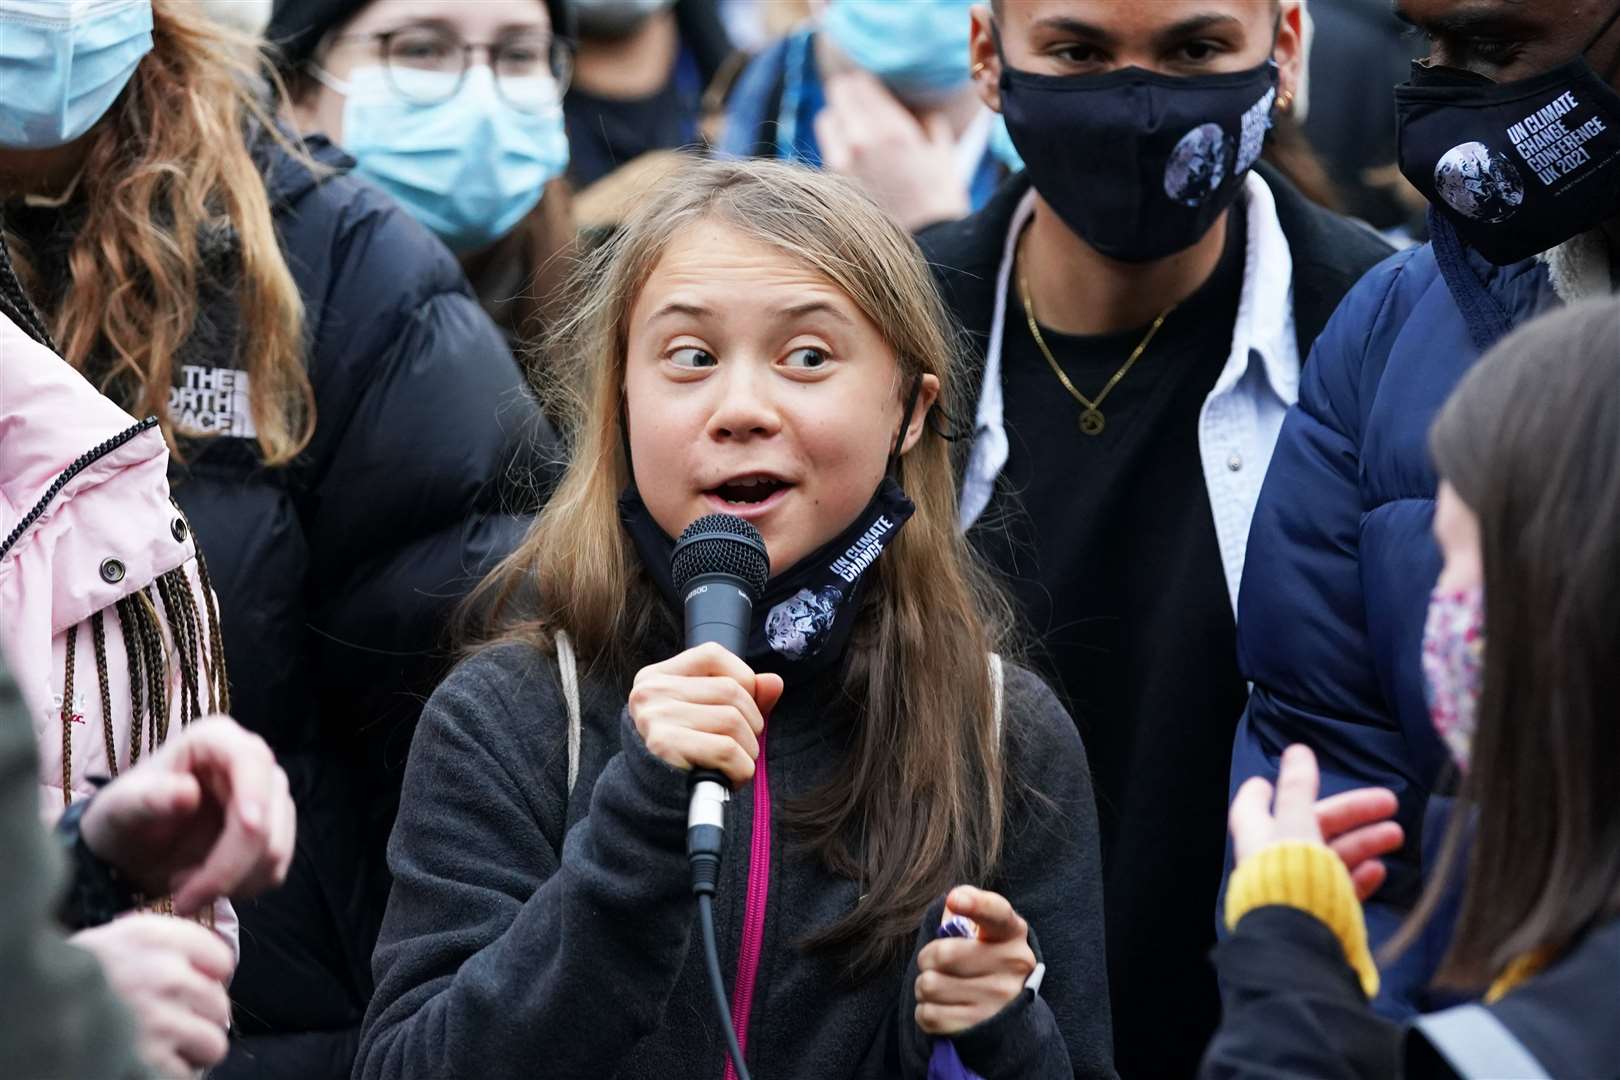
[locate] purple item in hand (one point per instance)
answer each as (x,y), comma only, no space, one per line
(944,1064)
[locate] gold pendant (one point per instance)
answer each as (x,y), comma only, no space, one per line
(1091,422)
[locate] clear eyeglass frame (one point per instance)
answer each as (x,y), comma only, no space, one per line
(515,60)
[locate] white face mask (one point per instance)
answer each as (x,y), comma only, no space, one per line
(469,166)
(249,16)
(63,63)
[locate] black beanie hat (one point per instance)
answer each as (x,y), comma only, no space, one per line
(297,26)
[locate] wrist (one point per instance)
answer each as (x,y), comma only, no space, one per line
(1311,878)
(97,891)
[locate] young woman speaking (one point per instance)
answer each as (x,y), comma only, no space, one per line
(759,341)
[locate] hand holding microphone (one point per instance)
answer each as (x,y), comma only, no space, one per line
(704,709)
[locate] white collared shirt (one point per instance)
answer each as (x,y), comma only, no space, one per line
(1241,417)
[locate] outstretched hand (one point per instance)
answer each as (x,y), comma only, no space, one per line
(1355,824)
(963,981)
(206,816)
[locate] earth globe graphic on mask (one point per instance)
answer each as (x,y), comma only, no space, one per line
(1479,183)
(796,627)
(1197,165)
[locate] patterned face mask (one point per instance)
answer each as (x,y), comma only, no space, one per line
(1454,665)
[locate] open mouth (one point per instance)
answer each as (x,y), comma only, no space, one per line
(748,490)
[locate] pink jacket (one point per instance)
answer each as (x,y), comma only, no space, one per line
(93,554)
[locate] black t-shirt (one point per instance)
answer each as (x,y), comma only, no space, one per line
(1108,545)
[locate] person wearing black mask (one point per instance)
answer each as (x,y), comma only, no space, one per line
(1511,127)
(1140,299)
(640,72)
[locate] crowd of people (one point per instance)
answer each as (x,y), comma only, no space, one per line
(1145,409)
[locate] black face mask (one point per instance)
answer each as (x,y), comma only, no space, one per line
(804,620)
(1139,164)
(1516,168)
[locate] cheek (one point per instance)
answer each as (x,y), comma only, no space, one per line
(661,440)
(848,452)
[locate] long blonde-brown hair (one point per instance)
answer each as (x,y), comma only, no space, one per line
(167,170)
(919,805)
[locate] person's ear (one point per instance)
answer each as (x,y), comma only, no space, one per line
(1289,53)
(983,59)
(927,394)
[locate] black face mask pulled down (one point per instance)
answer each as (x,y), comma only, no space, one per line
(804,620)
(1139,164)
(1515,168)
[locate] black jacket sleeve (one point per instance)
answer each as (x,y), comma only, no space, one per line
(1051,871)
(504,943)
(1292,1007)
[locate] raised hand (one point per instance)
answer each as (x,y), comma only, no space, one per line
(907,167)
(1355,824)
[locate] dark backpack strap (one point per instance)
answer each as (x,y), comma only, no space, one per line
(1477,1045)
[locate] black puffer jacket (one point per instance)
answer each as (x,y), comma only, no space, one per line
(336,575)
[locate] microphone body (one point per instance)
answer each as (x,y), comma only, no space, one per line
(719,565)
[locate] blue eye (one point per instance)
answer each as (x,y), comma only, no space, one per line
(807,356)
(692,357)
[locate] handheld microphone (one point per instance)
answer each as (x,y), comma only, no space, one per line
(719,567)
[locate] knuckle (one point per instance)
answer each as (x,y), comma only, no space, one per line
(928,1018)
(929,985)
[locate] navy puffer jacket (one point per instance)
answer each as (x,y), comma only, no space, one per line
(336,579)
(1341,560)
(336,575)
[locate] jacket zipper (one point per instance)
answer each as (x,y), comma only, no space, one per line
(81,463)
(759,884)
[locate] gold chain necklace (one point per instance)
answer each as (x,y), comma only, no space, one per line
(1091,417)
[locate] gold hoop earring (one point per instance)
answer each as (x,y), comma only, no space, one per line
(1285,103)
(974,71)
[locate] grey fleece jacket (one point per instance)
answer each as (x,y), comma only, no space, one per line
(532,933)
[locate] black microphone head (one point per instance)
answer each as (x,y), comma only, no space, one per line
(721,544)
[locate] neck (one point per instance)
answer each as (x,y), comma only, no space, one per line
(1078,290)
(637,65)
(42,172)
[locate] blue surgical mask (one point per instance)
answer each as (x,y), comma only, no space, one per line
(468,167)
(919,48)
(63,63)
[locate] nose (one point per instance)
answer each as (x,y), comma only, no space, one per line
(744,408)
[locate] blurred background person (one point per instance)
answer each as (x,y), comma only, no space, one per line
(1359,51)
(1517,653)
(455,110)
(1138,301)
(349,433)
(881,92)
(640,76)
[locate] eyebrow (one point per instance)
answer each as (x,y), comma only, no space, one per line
(791,311)
(681,307)
(1478,17)
(813,307)
(1098,35)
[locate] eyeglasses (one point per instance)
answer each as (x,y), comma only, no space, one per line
(523,64)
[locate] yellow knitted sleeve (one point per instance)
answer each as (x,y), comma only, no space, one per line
(1311,878)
